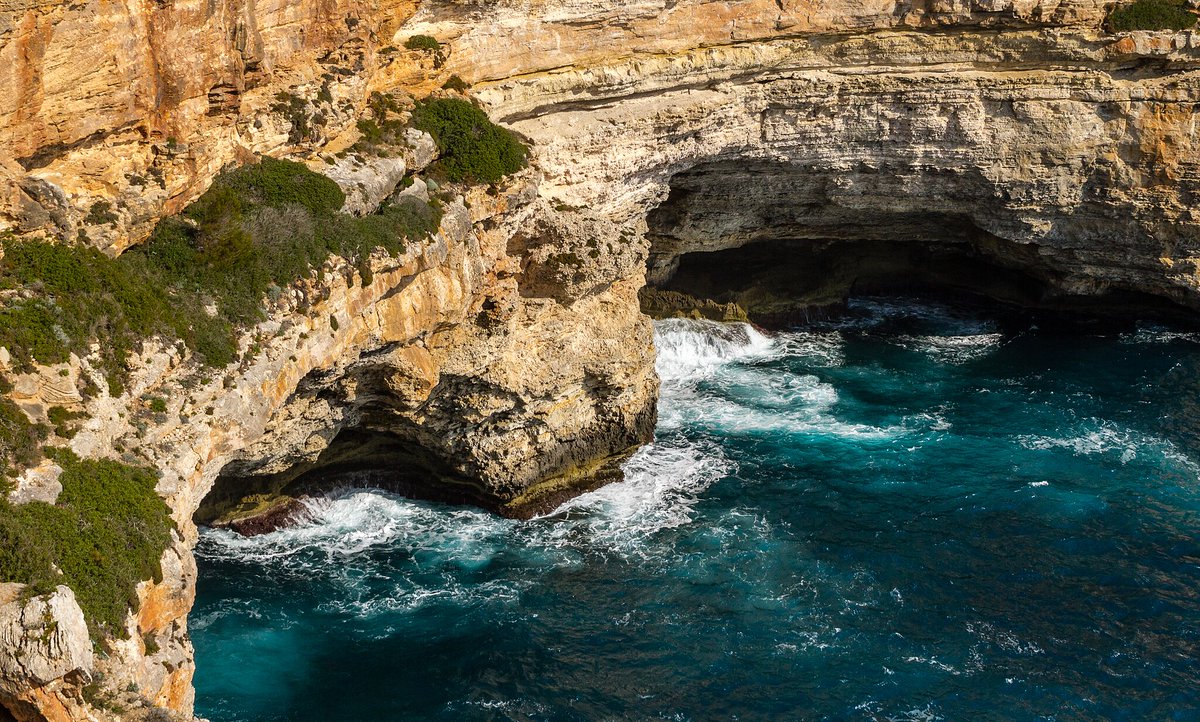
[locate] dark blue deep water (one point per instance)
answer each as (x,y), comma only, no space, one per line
(907,516)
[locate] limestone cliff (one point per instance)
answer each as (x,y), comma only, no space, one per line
(506,356)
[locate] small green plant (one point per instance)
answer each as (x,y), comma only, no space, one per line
(61,418)
(380,132)
(104,535)
(295,109)
(455,83)
(423,42)
(1151,15)
(158,405)
(100,213)
(472,147)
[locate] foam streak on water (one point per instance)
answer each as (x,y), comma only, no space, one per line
(904,514)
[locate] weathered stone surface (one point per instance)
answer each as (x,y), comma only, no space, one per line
(366,181)
(44,640)
(860,137)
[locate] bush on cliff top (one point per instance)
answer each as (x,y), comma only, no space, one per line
(106,533)
(472,147)
(259,228)
(1151,15)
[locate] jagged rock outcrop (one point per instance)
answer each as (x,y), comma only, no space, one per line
(507,355)
(138,105)
(46,647)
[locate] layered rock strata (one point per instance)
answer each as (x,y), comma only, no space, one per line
(1070,157)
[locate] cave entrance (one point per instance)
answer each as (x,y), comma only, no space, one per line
(781,245)
(251,502)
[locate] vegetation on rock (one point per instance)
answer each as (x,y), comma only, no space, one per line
(423,42)
(1151,15)
(106,533)
(379,130)
(471,146)
(100,212)
(257,229)
(20,441)
(455,83)
(61,418)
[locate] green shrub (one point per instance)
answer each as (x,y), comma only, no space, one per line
(61,418)
(472,147)
(100,213)
(455,83)
(295,109)
(280,183)
(158,405)
(1151,15)
(380,132)
(106,533)
(423,42)
(20,441)
(258,229)
(81,295)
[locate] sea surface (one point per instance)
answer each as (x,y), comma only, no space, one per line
(915,513)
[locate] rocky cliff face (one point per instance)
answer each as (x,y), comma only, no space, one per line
(506,357)
(1064,153)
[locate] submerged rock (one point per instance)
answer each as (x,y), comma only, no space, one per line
(262,515)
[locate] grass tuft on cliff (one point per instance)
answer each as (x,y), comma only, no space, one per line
(471,146)
(200,278)
(1151,15)
(106,533)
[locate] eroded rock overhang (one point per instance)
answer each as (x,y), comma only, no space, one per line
(1066,157)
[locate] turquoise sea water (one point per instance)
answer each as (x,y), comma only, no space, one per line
(908,515)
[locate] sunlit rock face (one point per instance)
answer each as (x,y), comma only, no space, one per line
(506,358)
(1069,156)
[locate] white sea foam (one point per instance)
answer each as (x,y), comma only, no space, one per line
(709,377)
(815,349)
(348,523)
(663,482)
(1152,333)
(1104,438)
(686,347)
(953,349)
